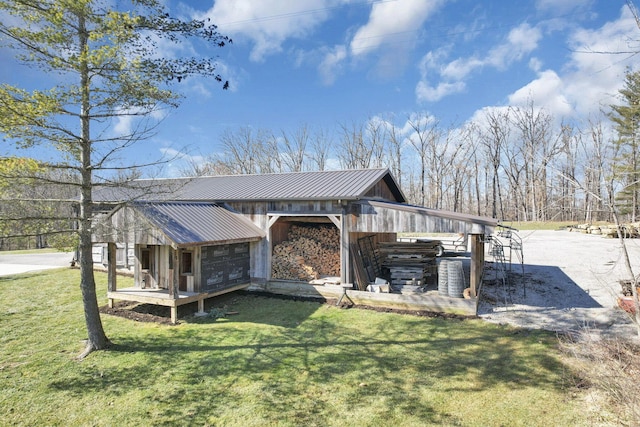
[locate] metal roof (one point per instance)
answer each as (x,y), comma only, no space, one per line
(323,185)
(187,224)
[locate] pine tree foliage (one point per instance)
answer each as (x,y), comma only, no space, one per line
(626,120)
(103,63)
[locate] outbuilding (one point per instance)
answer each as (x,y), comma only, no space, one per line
(195,238)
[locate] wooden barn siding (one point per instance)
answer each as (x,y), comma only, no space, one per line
(369,219)
(381,190)
(116,228)
(279,232)
(260,258)
(126,225)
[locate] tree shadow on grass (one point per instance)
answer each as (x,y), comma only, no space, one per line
(298,371)
(285,311)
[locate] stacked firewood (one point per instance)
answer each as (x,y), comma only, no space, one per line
(310,252)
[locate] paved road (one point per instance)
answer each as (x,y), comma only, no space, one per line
(23,263)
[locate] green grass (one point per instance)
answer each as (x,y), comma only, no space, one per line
(284,363)
(538,225)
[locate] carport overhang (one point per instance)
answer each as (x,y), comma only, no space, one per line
(381,217)
(371,216)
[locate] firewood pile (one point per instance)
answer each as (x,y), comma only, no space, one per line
(629,231)
(309,253)
(410,263)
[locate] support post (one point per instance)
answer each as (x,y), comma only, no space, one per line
(477,263)
(345,262)
(111,267)
(175,282)
(174,290)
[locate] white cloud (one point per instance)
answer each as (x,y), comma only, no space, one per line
(424,92)
(589,81)
(460,68)
(535,64)
(389,19)
(520,41)
(563,6)
(331,64)
(268,23)
(546,91)
(593,79)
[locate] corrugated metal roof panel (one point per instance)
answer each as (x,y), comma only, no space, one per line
(323,185)
(348,184)
(196,223)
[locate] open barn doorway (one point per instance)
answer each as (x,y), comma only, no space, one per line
(305,249)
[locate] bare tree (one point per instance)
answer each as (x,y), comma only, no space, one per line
(538,146)
(320,148)
(462,150)
(494,136)
(353,152)
(598,175)
(244,150)
(395,151)
(375,138)
(294,148)
(424,139)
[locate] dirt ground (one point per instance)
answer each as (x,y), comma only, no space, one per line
(568,282)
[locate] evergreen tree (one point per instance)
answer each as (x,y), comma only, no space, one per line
(626,120)
(104,63)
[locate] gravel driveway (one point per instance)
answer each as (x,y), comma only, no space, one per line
(570,282)
(23,263)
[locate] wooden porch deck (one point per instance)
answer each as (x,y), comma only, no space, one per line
(162,297)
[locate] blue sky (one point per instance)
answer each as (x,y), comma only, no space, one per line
(323,63)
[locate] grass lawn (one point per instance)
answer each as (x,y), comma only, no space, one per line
(276,362)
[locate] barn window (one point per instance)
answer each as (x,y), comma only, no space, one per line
(145,259)
(186,263)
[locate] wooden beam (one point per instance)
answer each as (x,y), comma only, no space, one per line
(477,263)
(175,280)
(111,267)
(336,221)
(273,220)
(345,261)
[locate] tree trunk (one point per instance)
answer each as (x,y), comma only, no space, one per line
(97,339)
(627,263)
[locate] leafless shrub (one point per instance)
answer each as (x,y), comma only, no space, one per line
(610,368)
